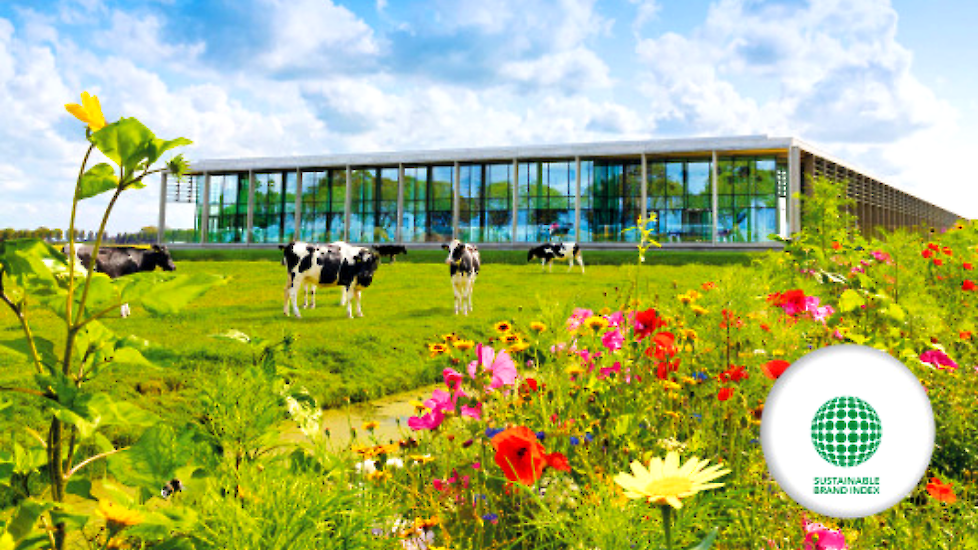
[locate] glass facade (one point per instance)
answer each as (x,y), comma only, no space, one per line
(751,202)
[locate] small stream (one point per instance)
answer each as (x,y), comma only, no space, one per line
(386,411)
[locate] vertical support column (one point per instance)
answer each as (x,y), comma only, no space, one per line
(249,237)
(516,198)
(205,212)
(794,189)
(400,203)
(715,201)
(455,200)
(298,204)
(161,226)
(577,199)
(645,183)
(347,203)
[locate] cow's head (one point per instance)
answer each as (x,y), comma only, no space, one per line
(455,249)
(367,262)
(160,257)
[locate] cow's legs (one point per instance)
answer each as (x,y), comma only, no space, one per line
(470,284)
(570,265)
(456,289)
(359,303)
(580,260)
(543,265)
(288,296)
(293,296)
(550,262)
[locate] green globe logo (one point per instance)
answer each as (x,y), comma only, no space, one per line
(846,431)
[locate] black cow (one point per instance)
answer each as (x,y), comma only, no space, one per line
(116,261)
(334,264)
(390,250)
(464,262)
(561,251)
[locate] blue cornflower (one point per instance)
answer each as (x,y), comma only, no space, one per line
(588,437)
(541,436)
(493,518)
(701,376)
(574,440)
(491,432)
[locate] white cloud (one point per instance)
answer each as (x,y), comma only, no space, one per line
(144,41)
(572,71)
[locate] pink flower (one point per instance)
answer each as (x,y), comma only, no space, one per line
(501,365)
(578,317)
(429,421)
(605,371)
(613,340)
(937,358)
(616,319)
(472,412)
(819,537)
(453,378)
(881,256)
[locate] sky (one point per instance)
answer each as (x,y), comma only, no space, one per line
(884,85)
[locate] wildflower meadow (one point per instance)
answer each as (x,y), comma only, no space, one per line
(634,425)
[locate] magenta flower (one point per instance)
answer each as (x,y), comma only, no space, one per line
(578,317)
(881,256)
(819,537)
(616,319)
(500,364)
(937,358)
(472,412)
(453,378)
(613,340)
(429,421)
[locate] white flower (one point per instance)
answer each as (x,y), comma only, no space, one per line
(395,462)
(366,467)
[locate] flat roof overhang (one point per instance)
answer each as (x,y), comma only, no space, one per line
(747,145)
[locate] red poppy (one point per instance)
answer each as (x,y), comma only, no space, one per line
(967,266)
(938,262)
(735,373)
(774,369)
(947,250)
(529,386)
(941,491)
(663,369)
(968,285)
(932,246)
(927,253)
(965,335)
(522,457)
(647,322)
(836,245)
(725,393)
(664,346)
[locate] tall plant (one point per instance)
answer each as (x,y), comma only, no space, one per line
(32,273)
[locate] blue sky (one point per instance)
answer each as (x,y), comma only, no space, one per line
(886,85)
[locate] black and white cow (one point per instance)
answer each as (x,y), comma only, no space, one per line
(334,264)
(560,251)
(116,261)
(390,250)
(464,263)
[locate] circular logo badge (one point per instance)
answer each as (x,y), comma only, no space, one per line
(847,431)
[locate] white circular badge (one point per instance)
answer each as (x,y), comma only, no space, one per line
(847,431)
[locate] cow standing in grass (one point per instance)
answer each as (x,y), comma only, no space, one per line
(116,261)
(549,252)
(464,263)
(334,264)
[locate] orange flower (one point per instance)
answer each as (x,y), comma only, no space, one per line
(965,335)
(941,491)
(522,457)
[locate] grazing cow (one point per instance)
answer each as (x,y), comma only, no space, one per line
(465,263)
(561,251)
(116,261)
(390,250)
(334,264)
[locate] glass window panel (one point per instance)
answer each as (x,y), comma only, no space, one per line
(765,177)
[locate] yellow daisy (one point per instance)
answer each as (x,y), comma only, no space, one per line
(596,323)
(464,344)
(372,425)
(518,347)
(699,310)
(89,111)
(512,338)
(538,326)
(437,349)
(502,327)
(450,337)
(666,482)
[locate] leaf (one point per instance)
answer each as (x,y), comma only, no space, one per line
(233,334)
(31,262)
(72,521)
(28,513)
(80,487)
(97,180)
(45,350)
(132,146)
(850,300)
(153,460)
(172,296)
(92,411)
(707,541)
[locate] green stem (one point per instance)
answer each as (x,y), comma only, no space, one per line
(24,325)
(667,524)
(98,244)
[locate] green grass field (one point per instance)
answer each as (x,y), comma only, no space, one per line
(409,305)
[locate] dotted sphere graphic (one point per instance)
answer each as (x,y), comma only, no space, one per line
(846,431)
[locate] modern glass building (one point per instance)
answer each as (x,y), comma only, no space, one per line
(705,192)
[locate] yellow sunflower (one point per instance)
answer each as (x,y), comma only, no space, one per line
(538,326)
(512,338)
(372,425)
(666,482)
(118,517)
(450,337)
(502,327)
(699,310)
(518,347)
